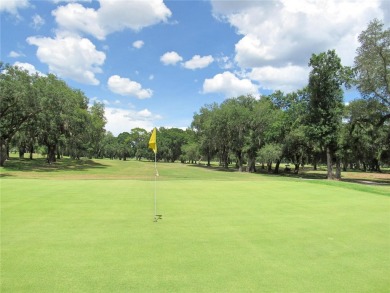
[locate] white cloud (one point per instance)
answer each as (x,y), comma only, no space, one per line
(76,18)
(278,37)
(230,85)
(283,31)
(37,22)
(287,79)
(70,57)
(112,16)
(12,6)
(127,87)
(29,67)
(14,54)
(121,120)
(198,62)
(138,44)
(224,62)
(170,58)
(59,1)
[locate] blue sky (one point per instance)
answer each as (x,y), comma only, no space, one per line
(155,63)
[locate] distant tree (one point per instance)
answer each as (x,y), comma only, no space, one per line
(238,114)
(62,118)
(296,144)
(372,64)
(170,142)
(18,104)
(364,141)
(124,147)
(109,145)
(96,129)
(325,106)
(201,125)
(270,153)
(139,139)
(190,152)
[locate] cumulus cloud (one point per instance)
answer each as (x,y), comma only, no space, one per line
(198,62)
(76,18)
(59,1)
(230,85)
(170,58)
(138,44)
(283,31)
(224,62)
(126,87)
(112,16)
(14,54)
(287,79)
(12,6)
(29,67)
(70,57)
(37,22)
(278,37)
(121,120)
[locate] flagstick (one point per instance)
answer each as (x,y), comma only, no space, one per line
(156,217)
(155,187)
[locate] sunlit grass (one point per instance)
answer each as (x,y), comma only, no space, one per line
(220,232)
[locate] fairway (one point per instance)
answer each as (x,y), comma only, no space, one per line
(92,230)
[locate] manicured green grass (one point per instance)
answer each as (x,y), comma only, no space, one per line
(220,232)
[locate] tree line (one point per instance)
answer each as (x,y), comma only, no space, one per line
(44,111)
(308,126)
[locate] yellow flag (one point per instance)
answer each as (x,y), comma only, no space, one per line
(153,141)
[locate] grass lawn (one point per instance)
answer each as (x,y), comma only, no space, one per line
(89,228)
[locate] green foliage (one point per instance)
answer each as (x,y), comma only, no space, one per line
(326,97)
(18,104)
(170,142)
(270,153)
(44,110)
(363,140)
(325,106)
(372,63)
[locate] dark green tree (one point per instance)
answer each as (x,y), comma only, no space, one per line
(18,104)
(325,107)
(201,125)
(372,64)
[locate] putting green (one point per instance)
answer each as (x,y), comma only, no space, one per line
(236,235)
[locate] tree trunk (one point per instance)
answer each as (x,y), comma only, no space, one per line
(345,165)
(251,167)
(276,171)
(296,168)
(208,159)
(51,153)
(225,158)
(31,151)
(3,153)
(21,152)
(329,163)
(338,169)
(315,163)
(269,167)
(375,165)
(239,160)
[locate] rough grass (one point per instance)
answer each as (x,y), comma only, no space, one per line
(220,232)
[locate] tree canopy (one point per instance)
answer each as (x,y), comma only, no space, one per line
(309,126)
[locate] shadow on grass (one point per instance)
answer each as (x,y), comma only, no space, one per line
(41,165)
(214,168)
(309,174)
